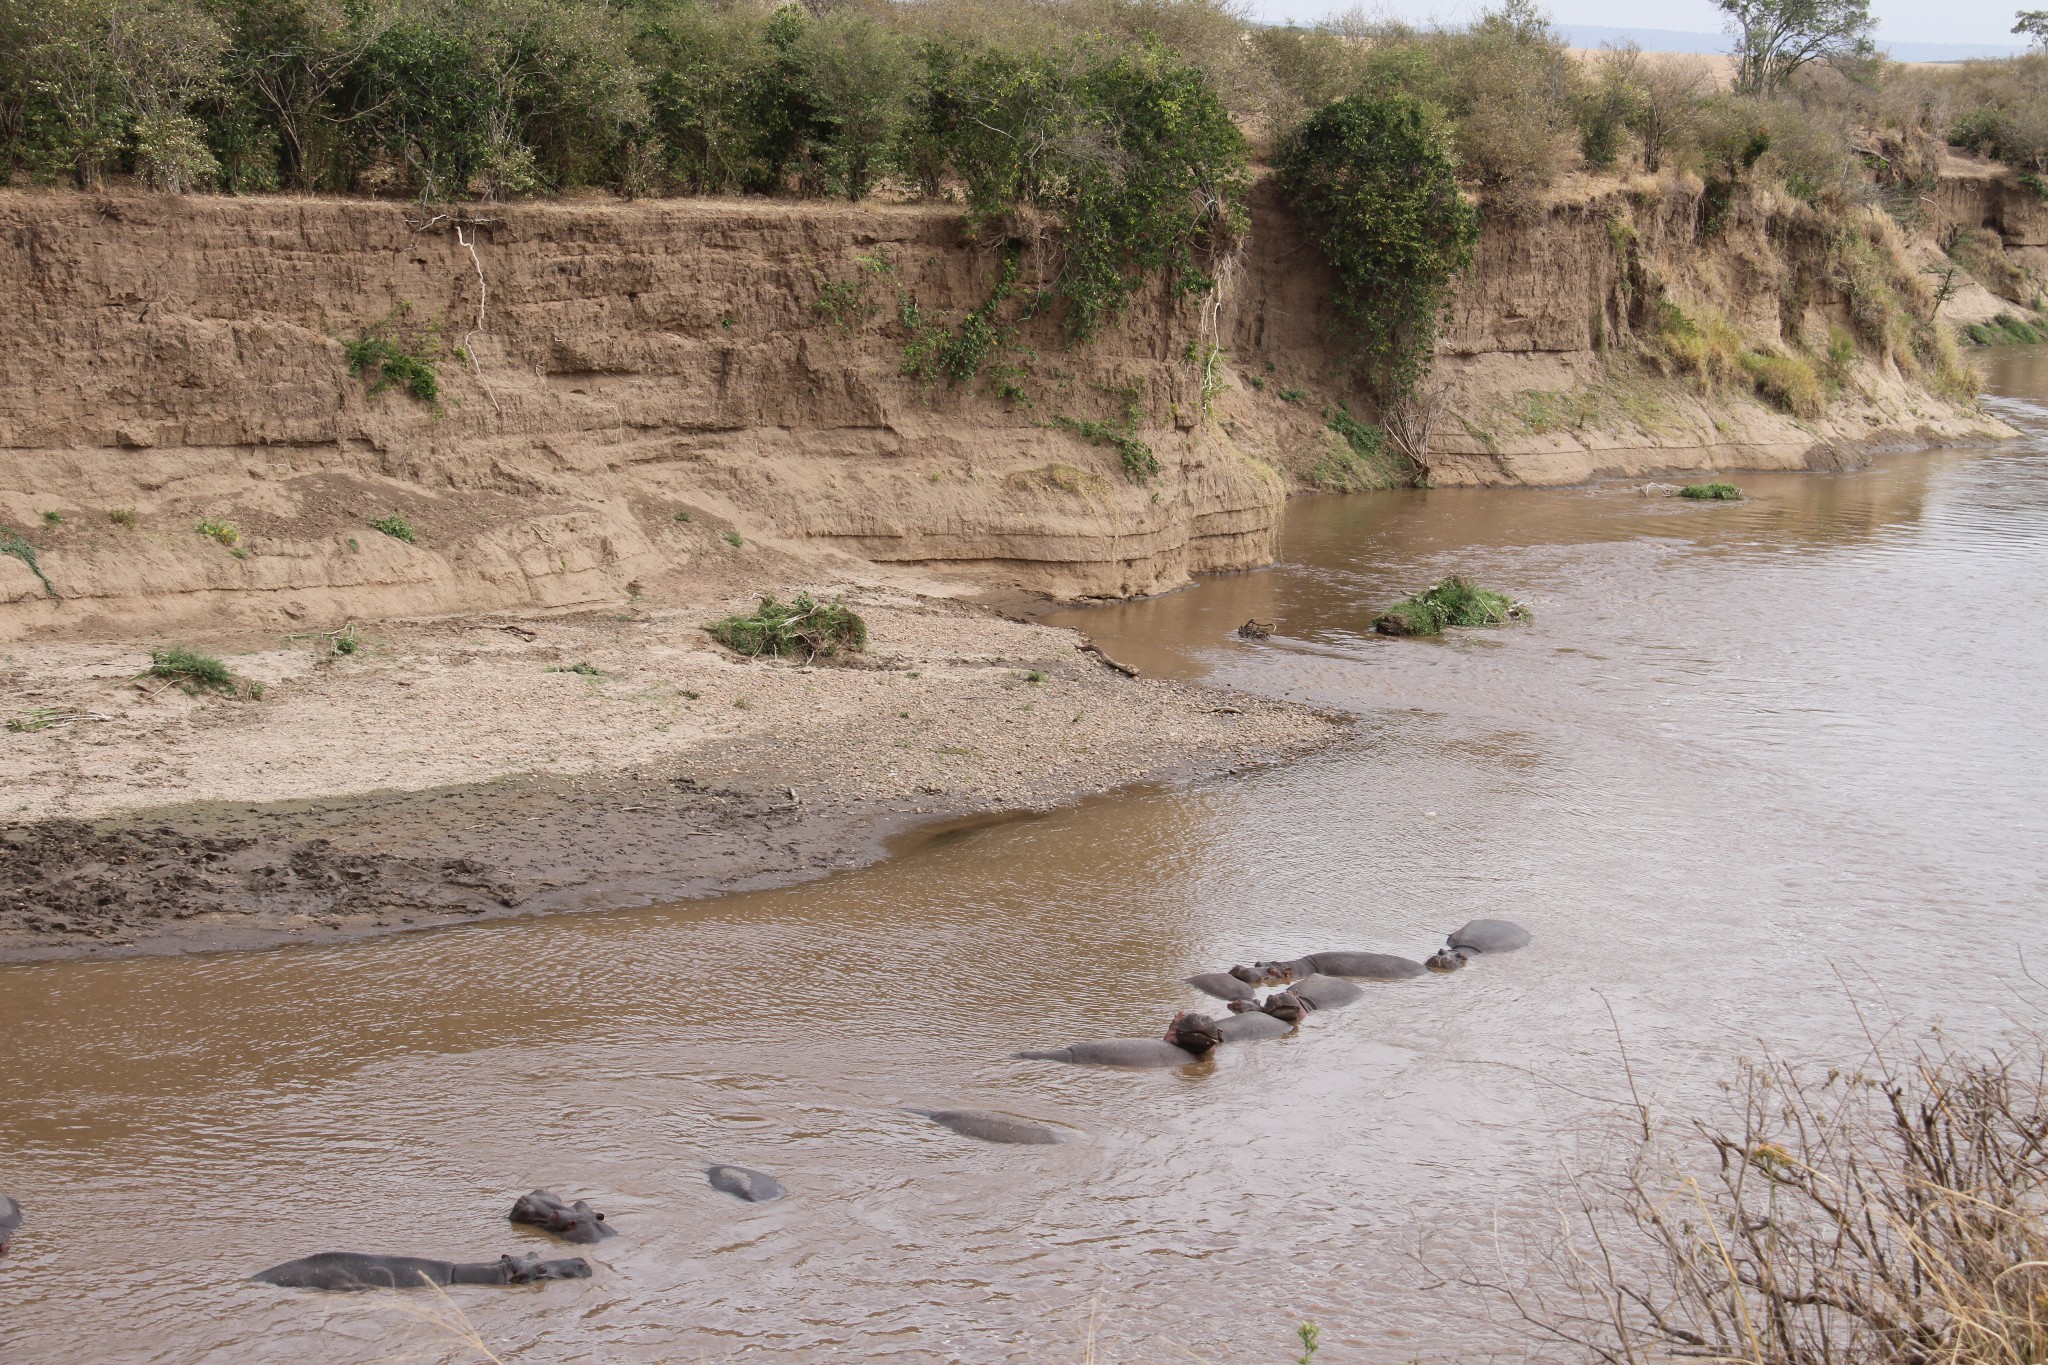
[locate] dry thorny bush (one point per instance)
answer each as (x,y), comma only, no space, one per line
(1896,1214)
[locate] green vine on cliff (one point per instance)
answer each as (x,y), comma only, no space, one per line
(1374,180)
(12,544)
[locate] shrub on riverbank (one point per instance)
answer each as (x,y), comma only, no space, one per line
(2006,330)
(1893,1211)
(1453,602)
(1711,492)
(803,626)
(197,673)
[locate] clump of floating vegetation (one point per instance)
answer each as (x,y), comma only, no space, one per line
(1453,602)
(804,626)
(1711,492)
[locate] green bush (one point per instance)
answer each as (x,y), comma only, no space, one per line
(803,626)
(1453,602)
(1374,180)
(398,528)
(1711,492)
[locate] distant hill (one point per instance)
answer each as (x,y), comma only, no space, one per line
(1672,40)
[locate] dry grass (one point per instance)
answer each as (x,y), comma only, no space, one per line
(1895,1213)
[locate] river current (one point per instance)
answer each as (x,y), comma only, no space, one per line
(1753,767)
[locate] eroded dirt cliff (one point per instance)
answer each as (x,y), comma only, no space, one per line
(713,392)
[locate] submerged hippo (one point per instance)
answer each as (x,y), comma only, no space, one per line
(1364,966)
(1223,986)
(1189,1038)
(10,1219)
(353,1270)
(990,1126)
(1448,959)
(1326,992)
(756,1187)
(1490,936)
(577,1222)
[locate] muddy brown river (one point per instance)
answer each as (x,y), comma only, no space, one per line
(1752,765)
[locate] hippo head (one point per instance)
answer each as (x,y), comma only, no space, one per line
(1251,976)
(576,1222)
(531,1269)
(1196,1033)
(1242,1006)
(1279,973)
(1287,1007)
(1448,959)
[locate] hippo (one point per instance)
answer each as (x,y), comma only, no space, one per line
(10,1219)
(990,1126)
(1272,973)
(1286,1006)
(1326,992)
(353,1270)
(1223,986)
(1490,936)
(1448,959)
(1364,966)
(1251,1024)
(1189,1038)
(576,1222)
(756,1187)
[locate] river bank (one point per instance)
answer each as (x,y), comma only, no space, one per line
(461,769)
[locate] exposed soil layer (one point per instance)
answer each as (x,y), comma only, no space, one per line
(460,770)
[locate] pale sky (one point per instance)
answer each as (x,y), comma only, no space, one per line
(1920,21)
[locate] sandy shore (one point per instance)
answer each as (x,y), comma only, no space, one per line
(454,770)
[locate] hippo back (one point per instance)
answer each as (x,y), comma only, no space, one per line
(989,1126)
(1223,986)
(1365,966)
(1490,936)
(1127,1052)
(356,1270)
(1327,992)
(1240,1028)
(756,1187)
(10,1219)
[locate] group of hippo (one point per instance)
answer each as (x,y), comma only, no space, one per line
(1265,1000)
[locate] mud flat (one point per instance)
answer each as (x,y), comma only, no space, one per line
(457,770)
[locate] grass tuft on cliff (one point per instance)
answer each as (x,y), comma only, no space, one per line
(803,626)
(1453,602)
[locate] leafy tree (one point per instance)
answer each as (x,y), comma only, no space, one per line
(1374,180)
(1775,38)
(859,77)
(2034,24)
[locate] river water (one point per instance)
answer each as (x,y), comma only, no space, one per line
(1752,765)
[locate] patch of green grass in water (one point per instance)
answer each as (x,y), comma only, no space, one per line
(1711,492)
(1453,602)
